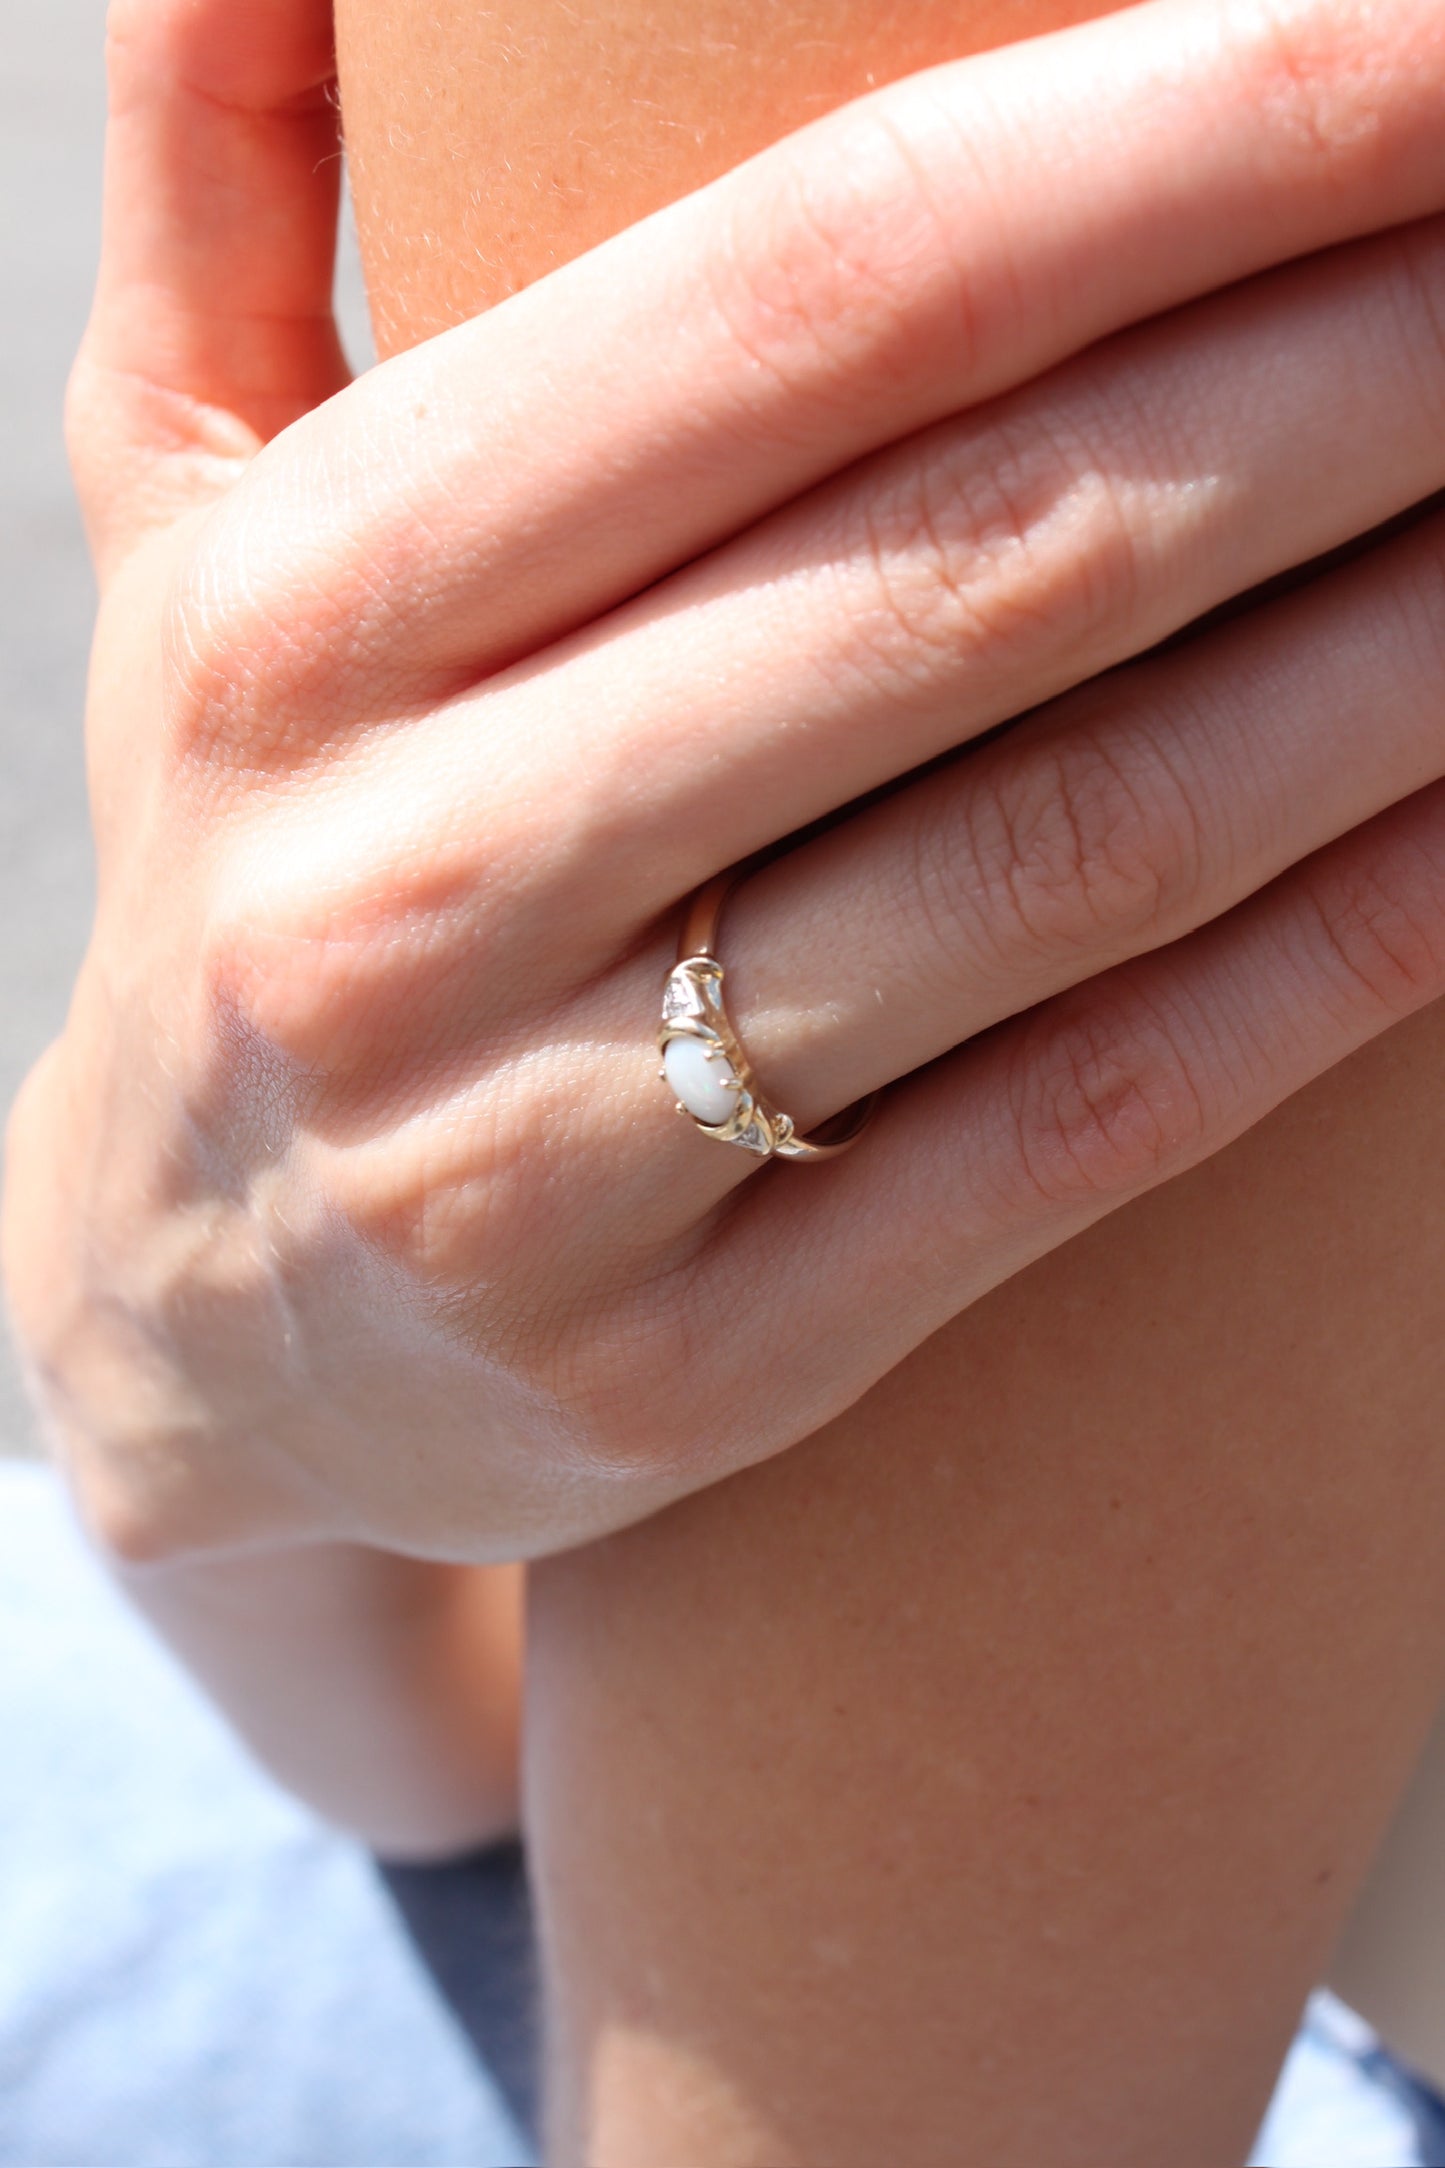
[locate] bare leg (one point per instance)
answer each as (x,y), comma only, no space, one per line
(1001,1762)
(986,1780)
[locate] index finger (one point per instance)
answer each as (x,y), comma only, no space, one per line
(913,254)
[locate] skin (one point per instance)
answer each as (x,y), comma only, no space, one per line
(304,1340)
(1004,1760)
(674,96)
(333,1282)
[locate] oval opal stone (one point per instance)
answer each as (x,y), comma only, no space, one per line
(700,1084)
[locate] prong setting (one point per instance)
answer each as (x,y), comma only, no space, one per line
(704,1062)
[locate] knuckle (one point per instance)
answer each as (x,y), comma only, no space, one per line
(219,643)
(443,1197)
(275,625)
(258,987)
(1105,1100)
(1319,74)
(856,265)
(1079,843)
(998,540)
(235,645)
(1383,921)
(290,989)
(359,940)
(1067,557)
(923,599)
(1085,844)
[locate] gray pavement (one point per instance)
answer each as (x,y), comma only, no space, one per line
(51,108)
(51,122)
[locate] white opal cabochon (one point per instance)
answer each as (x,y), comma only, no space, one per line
(700,1084)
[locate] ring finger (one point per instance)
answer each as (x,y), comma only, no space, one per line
(1110,823)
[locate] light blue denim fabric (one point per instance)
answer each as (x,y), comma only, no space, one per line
(1341,2103)
(193,1974)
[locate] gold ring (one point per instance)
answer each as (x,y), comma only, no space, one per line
(703,1060)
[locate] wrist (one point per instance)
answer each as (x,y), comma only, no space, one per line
(95,1276)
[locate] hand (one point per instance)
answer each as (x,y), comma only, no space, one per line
(349,1205)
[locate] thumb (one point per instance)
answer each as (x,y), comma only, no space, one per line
(211,327)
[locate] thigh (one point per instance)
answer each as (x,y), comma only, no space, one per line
(994,1770)
(1003,1760)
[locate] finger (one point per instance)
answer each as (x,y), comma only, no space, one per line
(1107,826)
(1014,1144)
(927,248)
(212,326)
(947,585)
(1111,823)
(961,578)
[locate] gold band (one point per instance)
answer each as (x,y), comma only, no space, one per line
(711,1062)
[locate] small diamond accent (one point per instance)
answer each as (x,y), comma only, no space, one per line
(681,998)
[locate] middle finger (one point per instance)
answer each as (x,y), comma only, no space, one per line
(989,565)
(932,593)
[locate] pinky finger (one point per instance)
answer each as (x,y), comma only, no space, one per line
(1008,1147)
